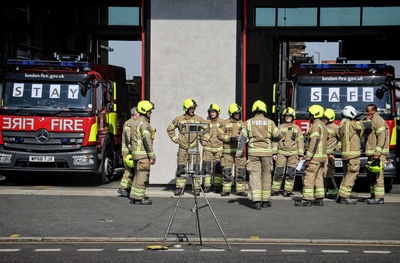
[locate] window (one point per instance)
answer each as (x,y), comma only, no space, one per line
(265,17)
(123,16)
(340,16)
(297,17)
(381,16)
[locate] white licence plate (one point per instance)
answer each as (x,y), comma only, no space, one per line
(41,159)
(338,163)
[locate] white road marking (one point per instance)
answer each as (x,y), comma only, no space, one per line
(47,250)
(253,250)
(9,249)
(211,250)
(294,250)
(174,249)
(334,251)
(89,249)
(130,249)
(376,252)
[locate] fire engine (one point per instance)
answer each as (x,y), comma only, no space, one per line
(337,85)
(62,116)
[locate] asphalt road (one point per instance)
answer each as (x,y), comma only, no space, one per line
(138,252)
(68,219)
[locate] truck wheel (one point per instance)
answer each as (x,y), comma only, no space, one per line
(107,169)
(388,184)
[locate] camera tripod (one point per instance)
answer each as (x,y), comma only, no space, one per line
(193,174)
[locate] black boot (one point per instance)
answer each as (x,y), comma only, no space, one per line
(123,192)
(178,191)
(225,194)
(346,201)
(318,202)
(266,204)
(287,194)
(304,203)
(242,194)
(257,205)
(376,201)
(274,193)
(217,189)
(141,202)
(207,189)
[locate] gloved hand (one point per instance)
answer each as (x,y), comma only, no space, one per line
(129,161)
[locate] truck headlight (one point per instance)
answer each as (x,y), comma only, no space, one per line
(84,160)
(389,163)
(5,158)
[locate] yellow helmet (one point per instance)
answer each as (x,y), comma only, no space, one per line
(144,106)
(316,111)
(214,107)
(259,106)
(330,114)
(234,108)
(289,111)
(129,161)
(374,166)
(189,103)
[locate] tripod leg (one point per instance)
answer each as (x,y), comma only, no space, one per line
(216,220)
(197,210)
(173,216)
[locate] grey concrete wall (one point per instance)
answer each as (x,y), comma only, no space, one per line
(193,55)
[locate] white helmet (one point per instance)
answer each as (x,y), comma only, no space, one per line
(349,112)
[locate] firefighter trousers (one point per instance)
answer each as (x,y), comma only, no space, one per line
(127,178)
(377,180)
(329,176)
(351,168)
(142,170)
(259,168)
(288,163)
(314,181)
(212,168)
(182,160)
(228,161)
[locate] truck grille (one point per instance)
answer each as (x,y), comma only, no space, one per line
(42,140)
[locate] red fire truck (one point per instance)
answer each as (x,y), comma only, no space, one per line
(62,116)
(337,85)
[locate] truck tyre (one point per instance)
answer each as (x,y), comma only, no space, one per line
(107,163)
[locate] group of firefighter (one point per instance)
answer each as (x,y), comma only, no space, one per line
(224,157)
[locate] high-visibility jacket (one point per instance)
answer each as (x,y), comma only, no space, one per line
(316,142)
(230,128)
(350,132)
(377,142)
(260,132)
(292,141)
(182,139)
(333,142)
(214,144)
(126,132)
(141,139)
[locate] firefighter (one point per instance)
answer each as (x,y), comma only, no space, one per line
(127,177)
(229,134)
(189,107)
(332,144)
(212,150)
(141,139)
(290,152)
(315,159)
(350,132)
(260,133)
(376,147)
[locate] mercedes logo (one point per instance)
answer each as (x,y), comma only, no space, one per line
(42,136)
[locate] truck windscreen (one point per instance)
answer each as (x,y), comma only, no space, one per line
(337,97)
(48,96)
